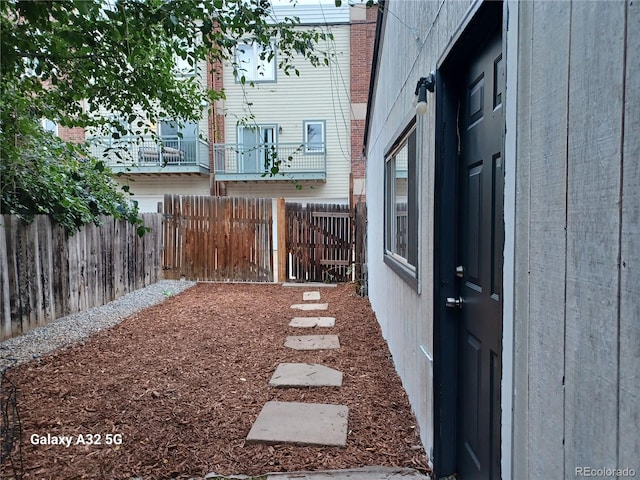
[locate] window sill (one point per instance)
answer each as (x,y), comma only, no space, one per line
(406,272)
(257,82)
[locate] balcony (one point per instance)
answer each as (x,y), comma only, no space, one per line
(242,163)
(172,155)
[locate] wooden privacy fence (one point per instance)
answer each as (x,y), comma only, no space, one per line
(319,242)
(46,274)
(218,238)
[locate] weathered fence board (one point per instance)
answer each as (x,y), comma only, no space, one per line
(218,238)
(45,274)
(319,242)
(360,243)
(5,291)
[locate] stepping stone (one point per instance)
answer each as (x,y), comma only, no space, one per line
(306,296)
(313,342)
(312,322)
(301,424)
(310,306)
(305,375)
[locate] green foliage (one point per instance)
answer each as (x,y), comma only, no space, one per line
(72,61)
(121,55)
(44,175)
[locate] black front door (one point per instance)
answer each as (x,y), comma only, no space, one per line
(480,258)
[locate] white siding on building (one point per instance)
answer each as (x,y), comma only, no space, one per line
(320,93)
(312,13)
(149,190)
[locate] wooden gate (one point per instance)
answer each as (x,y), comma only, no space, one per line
(218,238)
(319,242)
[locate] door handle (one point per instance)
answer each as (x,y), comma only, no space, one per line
(454,302)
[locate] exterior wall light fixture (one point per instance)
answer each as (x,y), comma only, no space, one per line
(424,84)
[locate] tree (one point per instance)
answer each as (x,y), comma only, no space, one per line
(71,61)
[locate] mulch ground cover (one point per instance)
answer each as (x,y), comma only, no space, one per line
(173,391)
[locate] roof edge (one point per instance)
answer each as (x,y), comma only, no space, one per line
(374,72)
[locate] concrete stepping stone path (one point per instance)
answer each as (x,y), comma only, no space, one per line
(312,342)
(312,322)
(301,424)
(310,296)
(304,423)
(305,375)
(310,306)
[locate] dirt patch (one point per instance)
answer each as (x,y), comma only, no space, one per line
(182,382)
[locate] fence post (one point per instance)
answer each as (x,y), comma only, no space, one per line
(282,240)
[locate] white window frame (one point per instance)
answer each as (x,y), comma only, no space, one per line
(183,68)
(257,69)
(310,147)
(49,126)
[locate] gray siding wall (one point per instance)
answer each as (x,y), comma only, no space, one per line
(420,30)
(576,305)
(577,347)
(629,286)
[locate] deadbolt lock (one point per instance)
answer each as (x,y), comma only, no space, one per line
(454,302)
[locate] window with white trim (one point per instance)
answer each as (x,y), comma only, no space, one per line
(49,126)
(314,136)
(255,63)
(401,206)
(187,66)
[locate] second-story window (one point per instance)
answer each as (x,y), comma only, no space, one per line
(50,126)
(184,61)
(185,67)
(255,63)
(314,136)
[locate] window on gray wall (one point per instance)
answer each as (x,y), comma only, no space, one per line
(401,206)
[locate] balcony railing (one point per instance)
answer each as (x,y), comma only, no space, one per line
(172,155)
(295,161)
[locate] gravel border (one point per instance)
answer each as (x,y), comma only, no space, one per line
(73,328)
